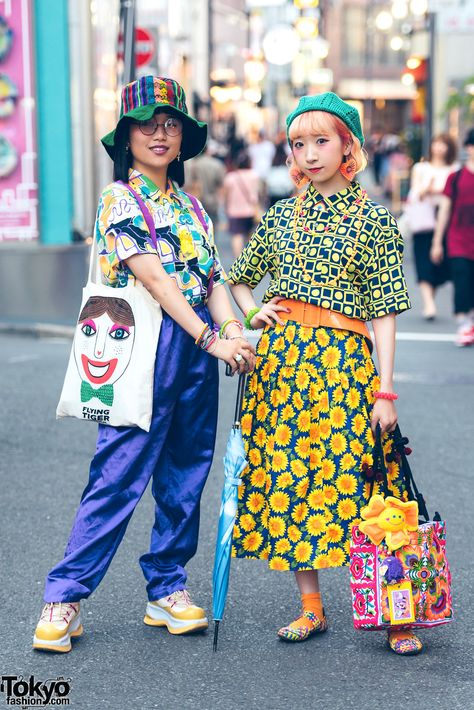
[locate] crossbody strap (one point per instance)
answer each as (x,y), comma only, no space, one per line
(198,212)
(145,212)
(202,219)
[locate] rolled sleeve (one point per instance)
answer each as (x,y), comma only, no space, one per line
(253,263)
(384,288)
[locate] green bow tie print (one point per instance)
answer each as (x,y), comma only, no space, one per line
(104,393)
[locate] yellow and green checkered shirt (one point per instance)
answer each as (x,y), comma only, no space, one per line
(374,284)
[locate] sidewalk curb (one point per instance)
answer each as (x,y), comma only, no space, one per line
(38,330)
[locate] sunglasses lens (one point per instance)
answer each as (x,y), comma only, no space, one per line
(173,126)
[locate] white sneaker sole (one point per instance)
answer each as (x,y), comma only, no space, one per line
(156,616)
(63,644)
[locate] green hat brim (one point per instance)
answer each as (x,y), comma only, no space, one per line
(194,132)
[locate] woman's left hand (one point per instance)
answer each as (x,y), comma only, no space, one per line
(385,414)
(249,356)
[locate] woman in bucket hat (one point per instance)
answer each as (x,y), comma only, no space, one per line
(153,137)
(314,399)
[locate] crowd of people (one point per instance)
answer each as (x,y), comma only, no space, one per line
(245,183)
(439,214)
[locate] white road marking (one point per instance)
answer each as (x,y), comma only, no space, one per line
(427,337)
(21,358)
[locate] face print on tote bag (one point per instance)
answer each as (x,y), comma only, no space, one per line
(103,346)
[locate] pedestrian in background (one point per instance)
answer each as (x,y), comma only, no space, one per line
(205,178)
(428,180)
(315,399)
(456,219)
(153,137)
(242,201)
(279,182)
(261,151)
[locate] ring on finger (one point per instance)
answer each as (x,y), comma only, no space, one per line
(238,357)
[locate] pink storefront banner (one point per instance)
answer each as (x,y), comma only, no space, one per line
(18,183)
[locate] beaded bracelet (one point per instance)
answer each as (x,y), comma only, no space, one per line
(249,316)
(386,395)
(228,322)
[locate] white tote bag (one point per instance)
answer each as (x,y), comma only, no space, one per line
(110,374)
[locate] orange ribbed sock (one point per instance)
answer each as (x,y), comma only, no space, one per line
(310,602)
(313,602)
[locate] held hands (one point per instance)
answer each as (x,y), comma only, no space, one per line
(385,414)
(268,314)
(237,352)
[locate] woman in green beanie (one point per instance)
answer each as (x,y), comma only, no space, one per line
(314,400)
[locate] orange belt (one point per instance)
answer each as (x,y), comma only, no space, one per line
(308,314)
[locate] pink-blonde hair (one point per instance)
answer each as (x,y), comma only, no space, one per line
(322,123)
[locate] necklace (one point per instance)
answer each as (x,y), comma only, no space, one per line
(357,222)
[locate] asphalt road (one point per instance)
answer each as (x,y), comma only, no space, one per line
(122,664)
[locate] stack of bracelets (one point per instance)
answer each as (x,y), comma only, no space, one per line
(207,340)
(227,322)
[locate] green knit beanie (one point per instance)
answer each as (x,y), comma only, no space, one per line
(331,103)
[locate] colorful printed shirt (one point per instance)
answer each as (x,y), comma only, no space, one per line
(188,254)
(374,284)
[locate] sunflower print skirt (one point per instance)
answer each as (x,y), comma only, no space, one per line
(306,430)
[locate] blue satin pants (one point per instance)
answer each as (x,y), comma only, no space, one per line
(176,454)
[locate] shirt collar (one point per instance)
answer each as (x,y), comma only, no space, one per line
(147,188)
(340,200)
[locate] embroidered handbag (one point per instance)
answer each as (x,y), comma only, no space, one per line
(408,587)
(110,374)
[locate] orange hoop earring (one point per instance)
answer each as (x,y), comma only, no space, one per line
(348,168)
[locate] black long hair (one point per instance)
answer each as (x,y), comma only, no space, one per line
(123,158)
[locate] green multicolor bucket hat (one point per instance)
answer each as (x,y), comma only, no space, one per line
(331,103)
(140,100)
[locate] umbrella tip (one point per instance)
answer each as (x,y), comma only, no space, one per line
(216,634)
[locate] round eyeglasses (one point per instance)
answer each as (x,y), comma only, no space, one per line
(172,126)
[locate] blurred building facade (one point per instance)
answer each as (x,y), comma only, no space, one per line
(243,63)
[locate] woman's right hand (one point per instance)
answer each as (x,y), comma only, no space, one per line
(268,314)
(228,350)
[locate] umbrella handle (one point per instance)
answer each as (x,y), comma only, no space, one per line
(240,398)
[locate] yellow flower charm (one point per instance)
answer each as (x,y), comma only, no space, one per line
(391,519)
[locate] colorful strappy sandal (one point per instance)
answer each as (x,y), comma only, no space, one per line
(301,633)
(404,643)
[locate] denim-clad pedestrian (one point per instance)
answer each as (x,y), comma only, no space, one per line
(153,137)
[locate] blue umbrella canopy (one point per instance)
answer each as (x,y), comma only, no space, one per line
(234,465)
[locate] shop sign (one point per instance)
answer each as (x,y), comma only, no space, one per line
(18,184)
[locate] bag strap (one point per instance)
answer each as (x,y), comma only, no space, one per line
(379,464)
(414,493)
(408,478)
(202,219)
(144,210)
(199,212)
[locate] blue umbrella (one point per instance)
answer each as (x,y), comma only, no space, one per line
(234,465)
